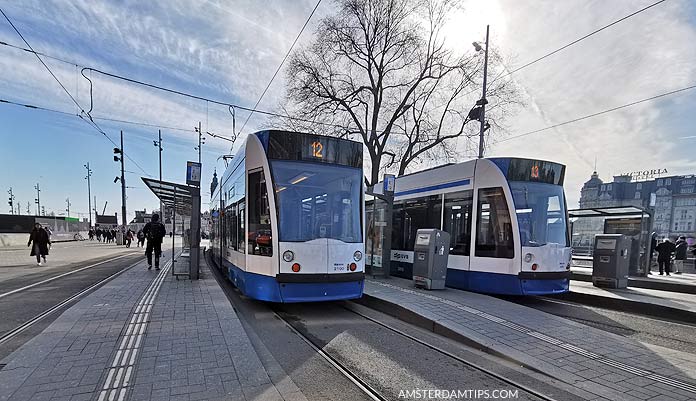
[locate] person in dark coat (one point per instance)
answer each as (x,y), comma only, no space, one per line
(680,255)
(154,232)
(41,240)
(665,250)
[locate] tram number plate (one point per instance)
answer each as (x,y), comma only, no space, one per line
(339,267)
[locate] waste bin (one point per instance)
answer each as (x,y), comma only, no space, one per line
(611,260)
(430,254)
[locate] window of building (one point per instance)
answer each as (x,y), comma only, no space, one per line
(676,226)
(637,196)
(687,190)
(604,187)
(668,181)
(457,223)
(609,187)
(659,182)
(639,186)
(493,225)
(260,236)
(688,225)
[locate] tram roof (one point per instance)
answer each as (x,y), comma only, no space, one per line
(173,195)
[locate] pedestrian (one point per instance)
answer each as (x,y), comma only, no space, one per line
(680,255)
(154,232)
(99,234)
(141,238)
(665,250)
(41,241)
(129,238)
(90,233)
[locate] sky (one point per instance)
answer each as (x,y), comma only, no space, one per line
(229,50)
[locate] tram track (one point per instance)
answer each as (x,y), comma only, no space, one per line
(466,362)
(25,316)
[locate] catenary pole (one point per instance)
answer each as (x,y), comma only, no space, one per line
(483,100)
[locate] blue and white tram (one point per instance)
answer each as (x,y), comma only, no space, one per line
(507,219)
(288,218)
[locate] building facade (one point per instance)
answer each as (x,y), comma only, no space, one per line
(671,199)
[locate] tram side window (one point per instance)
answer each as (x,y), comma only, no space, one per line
(241,247)
(493,225)
(458,207)
(260,239)
(416,214)
(230,228)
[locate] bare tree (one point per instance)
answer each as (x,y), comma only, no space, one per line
(380,69)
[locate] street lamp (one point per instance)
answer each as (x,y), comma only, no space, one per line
(158,145)
(480,109)
(89,193)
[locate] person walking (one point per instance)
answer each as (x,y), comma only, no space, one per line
(665,250)
(154,232)
(129,238)
(680,255)
(39,237)
(90,234)
(141,238)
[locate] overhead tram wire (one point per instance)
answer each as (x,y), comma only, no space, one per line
(596,31)
(600,113)
(143,124)
(287,54)
(91,123)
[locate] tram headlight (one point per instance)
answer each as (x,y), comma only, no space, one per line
(528,257)
(357,255)
(288,256)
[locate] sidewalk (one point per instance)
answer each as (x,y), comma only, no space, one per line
(597,364)
(672,305)
(143,336)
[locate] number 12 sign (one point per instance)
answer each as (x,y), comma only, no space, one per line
(317,149)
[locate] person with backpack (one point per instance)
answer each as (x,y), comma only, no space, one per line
(141,238)
(154,232)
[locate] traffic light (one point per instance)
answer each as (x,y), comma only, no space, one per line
(117,151)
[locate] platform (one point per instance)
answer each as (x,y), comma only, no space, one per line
(143,336)
(595,363)
(677,306)
(685,282)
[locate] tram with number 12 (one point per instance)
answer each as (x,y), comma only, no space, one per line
(287,218)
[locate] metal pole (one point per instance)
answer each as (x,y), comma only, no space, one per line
(68,209)
(483,98)
(89,194)
(123,186)
(12,198)
(173,229)
(200,134)
(159,145)
(38,199)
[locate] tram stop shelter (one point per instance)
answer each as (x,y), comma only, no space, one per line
(185,203)
(632,221)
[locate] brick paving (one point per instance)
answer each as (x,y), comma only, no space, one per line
(602,364)
(194,347)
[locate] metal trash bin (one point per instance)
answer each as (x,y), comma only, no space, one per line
(611,260)
(430,254)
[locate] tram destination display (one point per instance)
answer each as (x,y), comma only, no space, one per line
(313,148)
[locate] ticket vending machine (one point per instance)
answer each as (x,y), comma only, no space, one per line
(611,260)
(430,254)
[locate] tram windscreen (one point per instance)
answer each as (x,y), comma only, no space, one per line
(541,213)
(317,201)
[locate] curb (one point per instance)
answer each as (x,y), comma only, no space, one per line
(627,305)
(650,285)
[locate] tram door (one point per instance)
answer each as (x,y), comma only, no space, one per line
(378,238)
